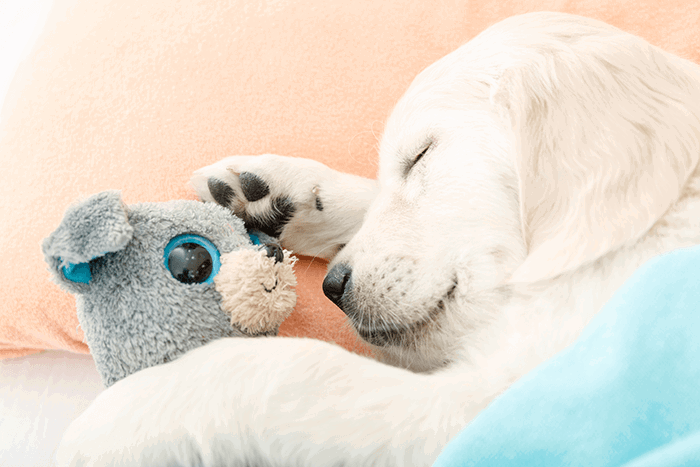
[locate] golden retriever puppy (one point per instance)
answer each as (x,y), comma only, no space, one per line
(522,179)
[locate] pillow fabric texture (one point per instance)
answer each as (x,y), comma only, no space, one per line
(624,394)
(135,95)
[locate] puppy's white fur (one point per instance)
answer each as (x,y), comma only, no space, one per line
(563,154)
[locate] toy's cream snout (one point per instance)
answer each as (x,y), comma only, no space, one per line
(257,290)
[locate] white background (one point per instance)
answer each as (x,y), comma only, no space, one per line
(20,24)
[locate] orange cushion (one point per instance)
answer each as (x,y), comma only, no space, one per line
(137,94)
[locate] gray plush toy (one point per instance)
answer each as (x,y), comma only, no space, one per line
(154,280)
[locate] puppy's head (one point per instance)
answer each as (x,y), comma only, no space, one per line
(540,146)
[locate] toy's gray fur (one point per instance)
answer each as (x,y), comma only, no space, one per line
(133,312)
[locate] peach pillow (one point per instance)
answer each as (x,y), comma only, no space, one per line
(136,94)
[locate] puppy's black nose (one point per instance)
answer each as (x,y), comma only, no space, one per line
(336,283)
(274,251)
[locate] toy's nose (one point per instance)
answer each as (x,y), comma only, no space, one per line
(274,251)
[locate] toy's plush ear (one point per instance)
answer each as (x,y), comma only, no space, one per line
(89,229)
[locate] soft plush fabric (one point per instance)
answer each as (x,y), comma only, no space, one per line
(626,393)
(136,94)
(257,291)
(141,302)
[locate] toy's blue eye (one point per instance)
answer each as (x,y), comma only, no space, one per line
(192,259)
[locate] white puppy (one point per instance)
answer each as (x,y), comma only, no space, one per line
(522,179)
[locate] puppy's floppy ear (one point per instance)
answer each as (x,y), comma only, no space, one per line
(607,132)
(89,229)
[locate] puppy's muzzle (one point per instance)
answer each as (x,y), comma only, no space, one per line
(338,284)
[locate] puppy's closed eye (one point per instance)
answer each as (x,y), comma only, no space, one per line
(422,152)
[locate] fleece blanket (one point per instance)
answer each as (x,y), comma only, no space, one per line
(626,393)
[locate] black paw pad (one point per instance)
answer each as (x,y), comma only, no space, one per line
(220,191)
(254,188)
(281,212)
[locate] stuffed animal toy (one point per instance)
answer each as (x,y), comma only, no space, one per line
(154,280)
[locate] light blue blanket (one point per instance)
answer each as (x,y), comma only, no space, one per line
(626,393)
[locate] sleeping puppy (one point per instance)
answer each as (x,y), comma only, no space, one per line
(522,179)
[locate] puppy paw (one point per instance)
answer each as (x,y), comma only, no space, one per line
(267,191)
(309,207)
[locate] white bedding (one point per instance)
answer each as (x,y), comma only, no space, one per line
(39,394)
